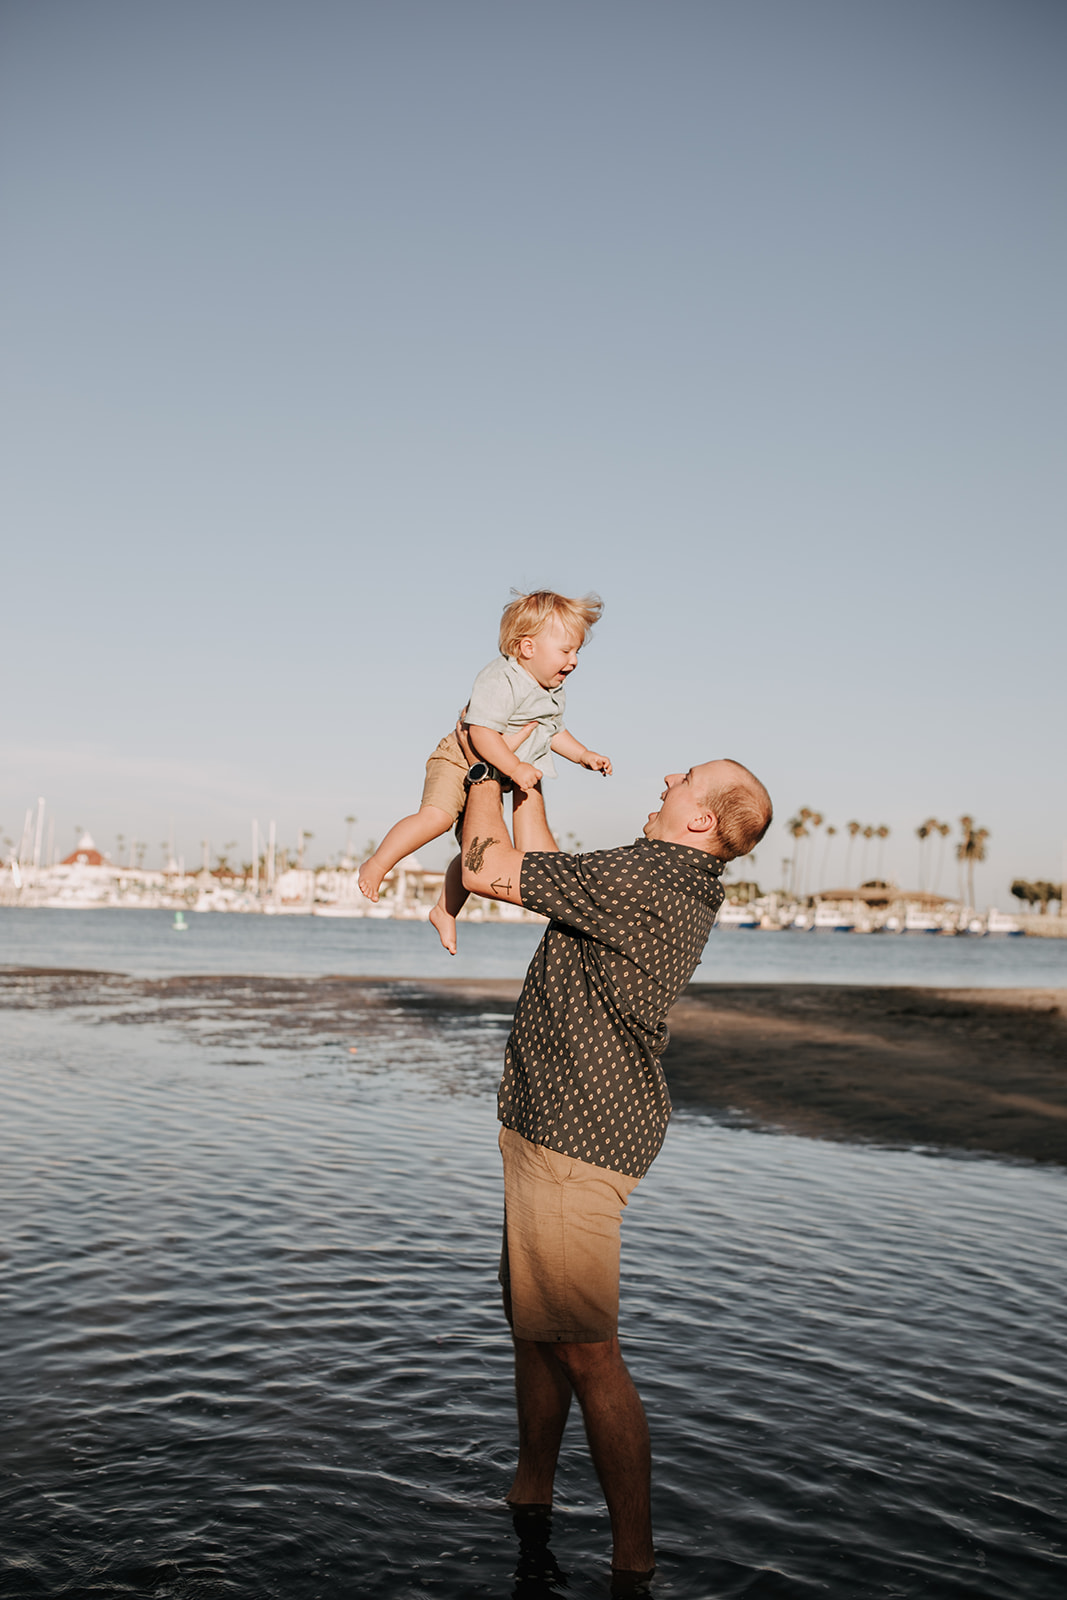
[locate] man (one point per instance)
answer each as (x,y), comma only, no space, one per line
(584,1105)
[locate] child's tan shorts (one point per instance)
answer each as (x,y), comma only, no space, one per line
(445,772)
(559,1267)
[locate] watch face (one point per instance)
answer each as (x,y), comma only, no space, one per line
(478,772)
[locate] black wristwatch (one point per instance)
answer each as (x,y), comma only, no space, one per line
(480,772)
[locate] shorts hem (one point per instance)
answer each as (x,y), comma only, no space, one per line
(584,1337)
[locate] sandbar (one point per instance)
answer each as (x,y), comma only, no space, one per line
(982,1070)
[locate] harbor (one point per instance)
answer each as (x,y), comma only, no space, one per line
(277,883)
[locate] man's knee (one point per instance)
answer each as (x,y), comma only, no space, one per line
(581,1360)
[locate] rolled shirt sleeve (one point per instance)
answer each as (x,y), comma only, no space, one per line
(582,1070)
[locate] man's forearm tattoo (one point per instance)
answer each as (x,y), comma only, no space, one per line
(476,853)
(499,887)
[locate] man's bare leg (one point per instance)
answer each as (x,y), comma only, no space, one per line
(450,903)
(617,1430)
(429,822)
(542,1399)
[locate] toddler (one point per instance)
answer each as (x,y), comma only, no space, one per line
(540,637)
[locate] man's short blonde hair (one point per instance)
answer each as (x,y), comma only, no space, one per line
(743,811)
(527,614)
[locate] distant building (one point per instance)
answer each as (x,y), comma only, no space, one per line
(85,854)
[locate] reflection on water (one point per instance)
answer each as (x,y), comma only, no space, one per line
(252,1345)
(144,943)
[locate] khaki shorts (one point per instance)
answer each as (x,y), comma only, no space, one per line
(559,1267)
(445,772)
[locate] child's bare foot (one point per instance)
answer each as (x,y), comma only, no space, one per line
(370,878)
(446,927)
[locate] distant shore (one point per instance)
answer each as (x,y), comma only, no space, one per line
(967,1069)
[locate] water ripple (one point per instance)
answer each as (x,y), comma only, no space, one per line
(252,1345)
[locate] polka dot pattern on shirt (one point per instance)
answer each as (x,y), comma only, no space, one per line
(582,1072)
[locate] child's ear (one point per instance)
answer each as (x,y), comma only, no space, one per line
(526,648)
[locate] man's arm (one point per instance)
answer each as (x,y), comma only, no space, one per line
(491,864)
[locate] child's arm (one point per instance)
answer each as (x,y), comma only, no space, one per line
(494,748)
(567,746)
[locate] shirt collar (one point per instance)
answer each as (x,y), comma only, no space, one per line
(685,854)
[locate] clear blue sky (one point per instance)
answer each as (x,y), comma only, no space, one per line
(325,323)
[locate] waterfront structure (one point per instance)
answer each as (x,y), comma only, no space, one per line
(88,878)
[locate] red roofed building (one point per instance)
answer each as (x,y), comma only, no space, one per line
(85,854)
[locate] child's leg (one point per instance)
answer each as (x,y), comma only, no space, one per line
(429,822)
(528,821)
(452,899)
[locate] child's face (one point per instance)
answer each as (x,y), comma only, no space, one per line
(551,655)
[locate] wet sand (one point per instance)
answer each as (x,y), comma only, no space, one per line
(969,1069)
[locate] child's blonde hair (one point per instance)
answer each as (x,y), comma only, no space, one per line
(529,613)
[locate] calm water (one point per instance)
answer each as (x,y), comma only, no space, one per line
(144,943)
(252,1348)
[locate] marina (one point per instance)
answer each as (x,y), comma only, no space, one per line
(87,879)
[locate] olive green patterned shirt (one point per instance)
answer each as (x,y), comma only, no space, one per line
(582,1070)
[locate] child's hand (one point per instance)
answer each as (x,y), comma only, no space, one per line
(525,776)
(597,763)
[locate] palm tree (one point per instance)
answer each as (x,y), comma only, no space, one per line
(852,828)
(1022,889)
(816,820)
(925,830)
(969,851)
(797,828)
(943,830)
(867,836)
(1044,892)
(881,834)
(831,832)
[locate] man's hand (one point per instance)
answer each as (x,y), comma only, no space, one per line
(596,763)
(512,740)
(520,736)
(470,755)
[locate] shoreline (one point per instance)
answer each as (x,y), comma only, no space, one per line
(978,1070)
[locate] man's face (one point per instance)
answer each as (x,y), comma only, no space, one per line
(551,655)
(685,798)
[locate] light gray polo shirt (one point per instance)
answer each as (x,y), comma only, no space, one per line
(505,696)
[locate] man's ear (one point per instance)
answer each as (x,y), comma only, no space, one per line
(704,822)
